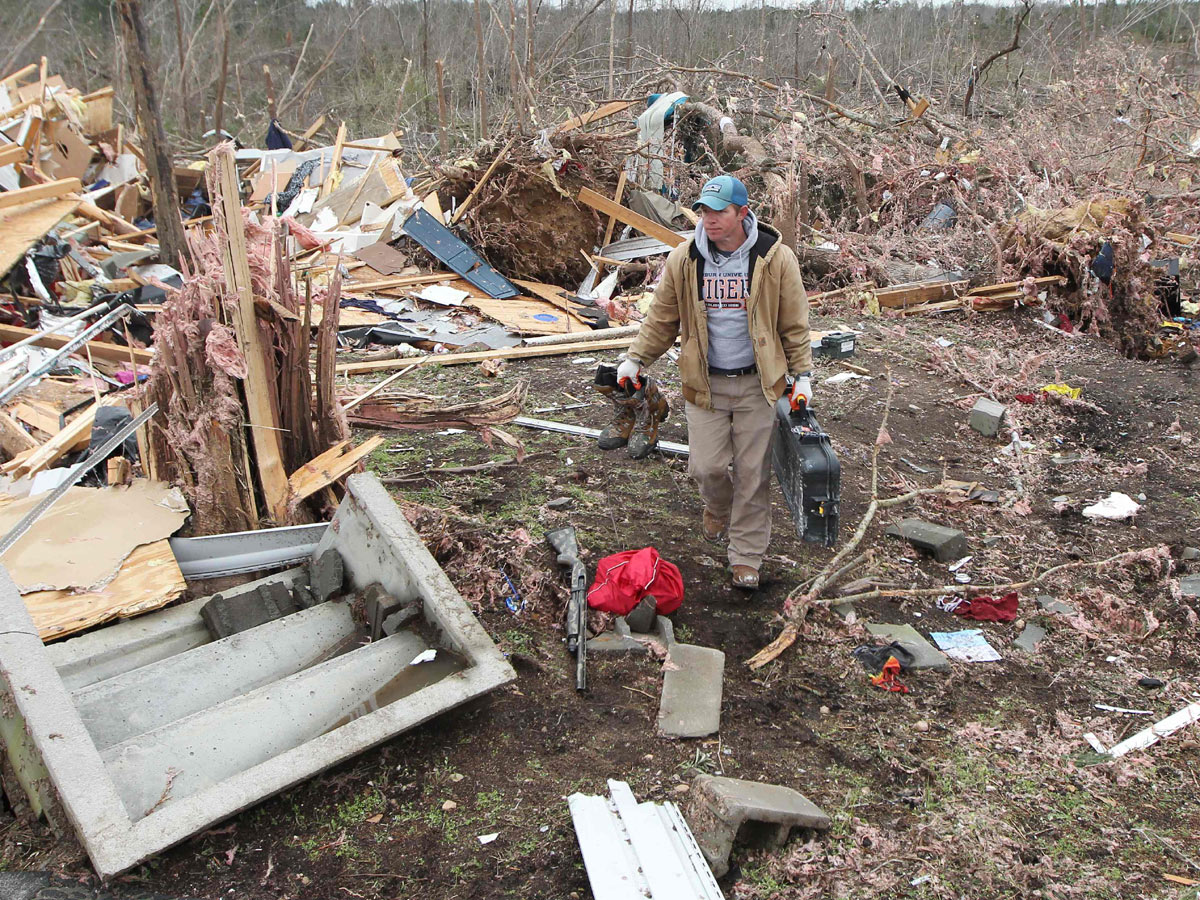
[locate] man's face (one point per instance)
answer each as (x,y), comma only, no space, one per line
(724,226)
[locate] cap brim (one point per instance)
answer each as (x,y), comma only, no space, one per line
(714,203)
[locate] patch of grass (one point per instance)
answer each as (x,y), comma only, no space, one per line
(764,883)
(517,641)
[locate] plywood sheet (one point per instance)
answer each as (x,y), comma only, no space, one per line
(148,579)
(23,226)
(83,539)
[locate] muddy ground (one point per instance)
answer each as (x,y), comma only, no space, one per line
(978,783)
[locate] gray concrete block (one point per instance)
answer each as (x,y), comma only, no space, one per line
(326,574)
(1028,639)
(925,655)
(987,417)
(380,605)
(641,617)
(946,544)
(724,810)
(691,695)
(1190,553)
(1189,585)
(401,619)
(1046,603)
(228,615)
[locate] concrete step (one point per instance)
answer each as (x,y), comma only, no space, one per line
(184,757)
(165,691)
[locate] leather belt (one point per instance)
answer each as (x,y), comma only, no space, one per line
(733,373)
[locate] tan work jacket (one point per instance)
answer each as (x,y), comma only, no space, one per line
(777,308)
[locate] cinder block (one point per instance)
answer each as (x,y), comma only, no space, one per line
(723,810)
(326,574)
(925,655)
(691,694)
(225,616)
(946,544)
(987,417)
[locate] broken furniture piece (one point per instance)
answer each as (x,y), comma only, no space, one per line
(729,810)
(138,735)
(639,850)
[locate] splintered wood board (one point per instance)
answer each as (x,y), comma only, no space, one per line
(23,226)
(329,467)
(148,579)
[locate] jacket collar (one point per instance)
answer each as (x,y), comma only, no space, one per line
(768,242)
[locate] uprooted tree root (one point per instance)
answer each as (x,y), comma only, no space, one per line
(525,218)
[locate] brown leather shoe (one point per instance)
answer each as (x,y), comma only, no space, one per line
(713,526)
(745,577)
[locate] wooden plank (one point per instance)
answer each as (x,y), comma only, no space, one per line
(335,163)
(1007,286)
(51,190)
(629,217)
(44,456)
(312,129)
(41,416)
(109,352)
(911,295)
(24,226)
(336,462)
(612,221)
(458,359)
(602,112)
(12,153)
(15,440)
(261,412)
(399,281)
(148,579)
(1186,239)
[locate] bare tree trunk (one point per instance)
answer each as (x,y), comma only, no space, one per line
(219,111)
(425,53)
(530,63)
(271,110)
(171,241)
(612,41)
(629,37)
(481,87)
(185,108)
(443,138)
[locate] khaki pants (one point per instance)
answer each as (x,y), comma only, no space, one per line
(735,433)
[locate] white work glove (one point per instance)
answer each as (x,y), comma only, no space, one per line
(801,391)
(629,370)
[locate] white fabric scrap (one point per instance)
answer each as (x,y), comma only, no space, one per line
(1115,507)
(424,656)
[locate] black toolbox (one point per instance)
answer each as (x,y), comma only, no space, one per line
(808,472)
(836,345)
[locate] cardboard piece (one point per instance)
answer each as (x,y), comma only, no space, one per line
(383,258)
(77,544)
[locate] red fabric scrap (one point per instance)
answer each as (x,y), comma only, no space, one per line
(624,578)
(987,609)
(888,679)
(1026,398)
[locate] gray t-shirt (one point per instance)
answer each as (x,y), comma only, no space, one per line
(725,292)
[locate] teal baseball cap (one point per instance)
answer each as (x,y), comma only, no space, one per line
(721,191)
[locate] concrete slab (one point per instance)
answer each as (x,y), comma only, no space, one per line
(691,696)
(722,810)
(946,544)
(53,759)
(1046,603)
(925,655)
(1189,585)
(1028,639)
(621,640)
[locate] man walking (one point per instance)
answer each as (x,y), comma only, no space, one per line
(734,297)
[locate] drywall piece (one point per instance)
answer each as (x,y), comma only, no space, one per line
(53,763)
